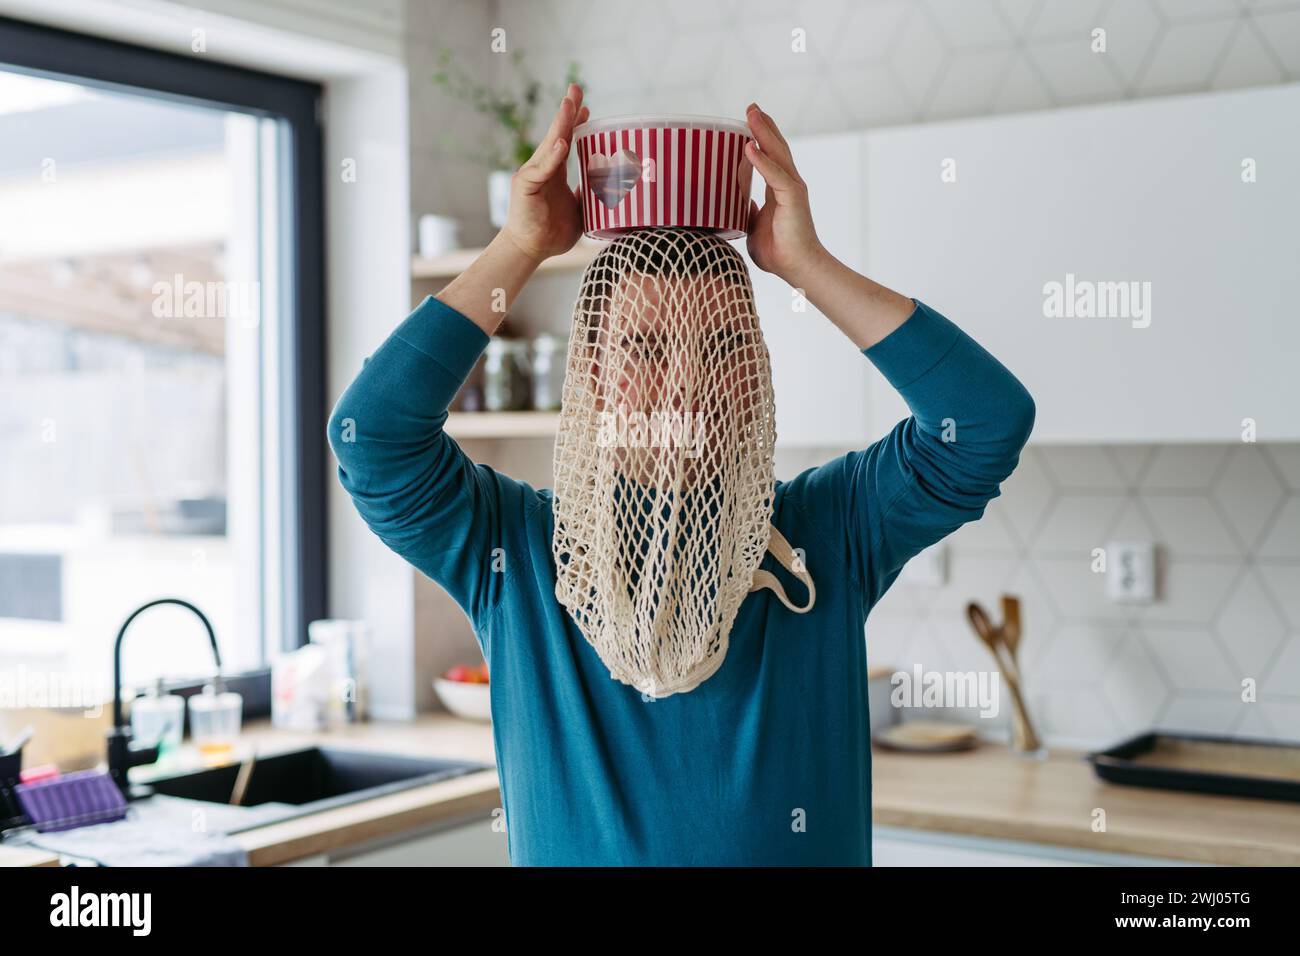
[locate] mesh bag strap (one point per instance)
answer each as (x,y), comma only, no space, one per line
(785,555)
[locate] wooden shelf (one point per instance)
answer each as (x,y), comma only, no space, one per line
(502,424)
(452,264)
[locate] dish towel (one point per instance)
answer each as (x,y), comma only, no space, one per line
(160,831)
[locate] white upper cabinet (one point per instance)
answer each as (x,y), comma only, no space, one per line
(822,382)
(1113,257)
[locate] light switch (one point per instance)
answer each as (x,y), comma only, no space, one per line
(1131,572)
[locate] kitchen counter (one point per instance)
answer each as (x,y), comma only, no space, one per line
(26,856)
(467,797)
(991,792)
(987,792)
(474,795)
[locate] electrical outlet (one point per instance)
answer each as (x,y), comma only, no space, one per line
(1131,572)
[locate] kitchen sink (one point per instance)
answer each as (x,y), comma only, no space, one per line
(313,779)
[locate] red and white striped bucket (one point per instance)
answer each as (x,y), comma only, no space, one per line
(687,171)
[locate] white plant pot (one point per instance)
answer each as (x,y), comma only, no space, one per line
(498,196)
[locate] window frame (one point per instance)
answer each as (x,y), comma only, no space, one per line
(111,64)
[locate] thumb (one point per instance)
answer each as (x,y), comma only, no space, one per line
(539,169)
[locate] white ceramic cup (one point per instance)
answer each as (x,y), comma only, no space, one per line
(438,235)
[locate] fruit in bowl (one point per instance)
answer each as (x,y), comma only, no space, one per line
(464,690)
(468,674)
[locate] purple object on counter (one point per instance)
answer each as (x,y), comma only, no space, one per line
(73,800)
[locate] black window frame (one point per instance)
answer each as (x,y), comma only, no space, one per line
(198,80)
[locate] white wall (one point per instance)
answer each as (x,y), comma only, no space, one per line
(443,130)
(369,275)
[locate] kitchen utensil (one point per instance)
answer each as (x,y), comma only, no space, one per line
(642,171)
(1025,739)
(241,780)
(1011,625)
(927,736)
(1231,766)
(991,636)
(986,632)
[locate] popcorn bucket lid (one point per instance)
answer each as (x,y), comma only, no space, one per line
(656,120)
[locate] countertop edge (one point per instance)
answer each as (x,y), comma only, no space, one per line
(418,808)
(1122,842)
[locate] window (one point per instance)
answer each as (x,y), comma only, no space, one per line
(161,363)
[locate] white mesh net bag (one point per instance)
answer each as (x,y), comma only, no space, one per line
(663,460)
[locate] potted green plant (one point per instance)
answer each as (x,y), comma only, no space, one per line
(513,110)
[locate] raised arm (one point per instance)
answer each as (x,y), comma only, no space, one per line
(937,469)
(409,480)
(545,219)
(782,241)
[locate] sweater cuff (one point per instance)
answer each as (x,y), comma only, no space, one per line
(915,347)
(445,335)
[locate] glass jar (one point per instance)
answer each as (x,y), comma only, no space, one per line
(505,375)
(548,372)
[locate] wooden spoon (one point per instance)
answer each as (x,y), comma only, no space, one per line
(1011,623)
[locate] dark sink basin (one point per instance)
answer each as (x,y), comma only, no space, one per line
(315,778)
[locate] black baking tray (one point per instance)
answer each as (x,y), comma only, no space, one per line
(1120,764)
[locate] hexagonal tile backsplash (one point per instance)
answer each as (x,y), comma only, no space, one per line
(1226,518)
(1227,522)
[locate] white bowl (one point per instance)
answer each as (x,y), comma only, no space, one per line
(471,701)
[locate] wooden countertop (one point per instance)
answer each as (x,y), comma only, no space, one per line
(472,795)
(26,856)
(986,792)
(991,792)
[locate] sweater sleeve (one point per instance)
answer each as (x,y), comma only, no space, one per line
(935,470)
(409,480)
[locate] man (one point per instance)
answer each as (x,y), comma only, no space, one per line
(768,761)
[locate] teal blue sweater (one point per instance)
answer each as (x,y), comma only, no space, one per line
(769,760)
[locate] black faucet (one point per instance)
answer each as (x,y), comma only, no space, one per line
(122,755)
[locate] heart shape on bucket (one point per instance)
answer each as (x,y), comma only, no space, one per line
(612,177)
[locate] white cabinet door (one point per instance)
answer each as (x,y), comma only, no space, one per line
(822,382)
(906,846)
(1148,192)
(470,844)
